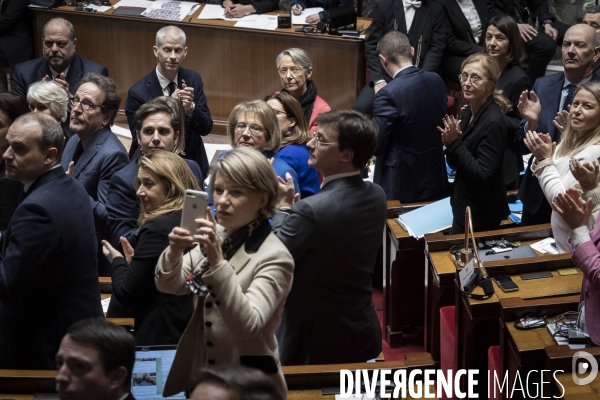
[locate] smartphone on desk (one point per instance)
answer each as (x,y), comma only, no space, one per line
(506,283)
(194,206)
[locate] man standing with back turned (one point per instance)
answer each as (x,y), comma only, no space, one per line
(334,237)
(169,79)
(410,157)
(48,270)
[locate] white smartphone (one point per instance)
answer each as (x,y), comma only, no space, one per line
(194,206)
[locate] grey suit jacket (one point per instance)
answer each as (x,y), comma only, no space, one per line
(334,237)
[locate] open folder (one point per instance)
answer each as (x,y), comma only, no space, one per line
(433,217)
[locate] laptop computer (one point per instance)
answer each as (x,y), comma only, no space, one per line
(150,372)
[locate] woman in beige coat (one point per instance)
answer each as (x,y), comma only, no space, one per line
(241,280)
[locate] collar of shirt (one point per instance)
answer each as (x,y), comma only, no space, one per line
(164,82)
(338,176)
(28,184)
(55,74)
(397,72)
(584,80)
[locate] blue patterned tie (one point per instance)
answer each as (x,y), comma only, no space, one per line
(569,98)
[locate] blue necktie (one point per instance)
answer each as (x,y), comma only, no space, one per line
(569,98)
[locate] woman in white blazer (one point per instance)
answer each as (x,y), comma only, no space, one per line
(240,271)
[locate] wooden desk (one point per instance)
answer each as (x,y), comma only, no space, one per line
(235,64)
(561,358)
(439,282)
(572,391)
(403,276)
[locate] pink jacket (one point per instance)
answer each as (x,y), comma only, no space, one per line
(319,107)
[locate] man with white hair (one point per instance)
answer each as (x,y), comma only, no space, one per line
(170,79)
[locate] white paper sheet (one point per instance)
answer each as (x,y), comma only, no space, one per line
(133,3)
(264,22)
(545,246)
(215,11)
(301,19)
(170,10)
(105,304)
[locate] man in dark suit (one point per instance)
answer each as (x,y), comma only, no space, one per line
(334,237)
(169,79)
(539,28)
(59,62)
(48,273)
(16,43)
(550,95)
(95,362)
(466,22)
(94,154)
(410,156)
(423,23)
(592,18)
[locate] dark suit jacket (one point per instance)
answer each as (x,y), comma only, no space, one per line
(123,206)
(513,81)
(198,125)
(48,271)
(539,9)
(34,70)
(334,237)
(478,157)
(410,163)
(103,158)
(160,318)
(428,28)
(15,31)
(459,35)
(548,89)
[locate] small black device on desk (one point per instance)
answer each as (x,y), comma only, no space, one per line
(284,20)
(506,283)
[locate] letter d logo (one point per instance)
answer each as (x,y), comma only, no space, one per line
(590,364)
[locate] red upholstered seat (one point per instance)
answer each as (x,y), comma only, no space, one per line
(494,366)
(447,340)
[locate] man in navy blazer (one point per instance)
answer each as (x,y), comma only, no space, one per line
(549,96)
(592,18)
(48,273)
(94,154)
(334,237)
(427,35)
(410,156)
(59,61)
(169,79)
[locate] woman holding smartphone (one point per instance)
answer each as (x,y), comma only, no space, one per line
(240,273)
(160,318)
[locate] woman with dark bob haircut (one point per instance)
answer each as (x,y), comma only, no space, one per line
(294,136)
(504,43)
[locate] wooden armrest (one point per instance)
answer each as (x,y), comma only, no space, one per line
(27,381)
(126,322)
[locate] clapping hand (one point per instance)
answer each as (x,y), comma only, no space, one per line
(587,175)
(451,130)
(540,144)
(572,208)
(186,96)
(530,109)
(560,121)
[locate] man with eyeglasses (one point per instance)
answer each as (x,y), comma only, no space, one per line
(334,237)
(95,153)
(410,157)
(170,79)
(59,62)
(545,110)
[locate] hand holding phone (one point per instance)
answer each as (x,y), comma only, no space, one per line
(194,206)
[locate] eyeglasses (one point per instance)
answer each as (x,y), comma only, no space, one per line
(295,71)
(463,78)
(85,105)
(320,141)
(279,112)
(255,130)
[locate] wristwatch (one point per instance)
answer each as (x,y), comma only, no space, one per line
(547,21)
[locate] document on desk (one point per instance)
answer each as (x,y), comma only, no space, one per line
(301,19)
(170,10)
(433,217)
(264,22)
(133,3)
(547,245)
(215,11)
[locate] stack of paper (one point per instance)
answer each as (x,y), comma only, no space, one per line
(215,11)
(170,10)
(433,217)
(545,246)
(301,19)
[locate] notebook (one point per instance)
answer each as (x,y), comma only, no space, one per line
(150,371)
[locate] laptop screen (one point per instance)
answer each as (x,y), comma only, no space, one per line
(150,371)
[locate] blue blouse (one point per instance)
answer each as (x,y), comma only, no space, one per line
(296,156)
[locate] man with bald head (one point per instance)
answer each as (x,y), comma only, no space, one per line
(170,79)
(48,270)
(59,62)
(544,110)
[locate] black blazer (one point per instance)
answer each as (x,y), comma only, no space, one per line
(478,157)
(16,41)
(48,271)
(428,28)
(538,9)
(159,318)
(459,35)
(513,80)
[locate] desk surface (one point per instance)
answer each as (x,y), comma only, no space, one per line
(572,391)
(236,64)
